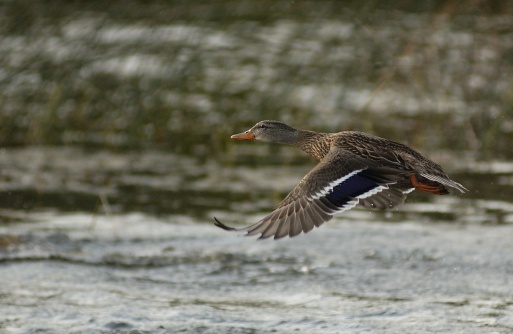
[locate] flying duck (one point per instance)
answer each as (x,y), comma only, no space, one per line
(354,168)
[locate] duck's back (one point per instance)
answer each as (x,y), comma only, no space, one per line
(423,173)
(382,151)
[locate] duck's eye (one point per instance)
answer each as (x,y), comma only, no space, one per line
(262,126)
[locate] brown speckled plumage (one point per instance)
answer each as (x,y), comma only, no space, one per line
(315,144)
(355,168)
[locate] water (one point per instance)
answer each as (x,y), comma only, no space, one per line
(441,264)
(135,272)
(115,124)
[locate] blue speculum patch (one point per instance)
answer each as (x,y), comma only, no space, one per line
(352,187)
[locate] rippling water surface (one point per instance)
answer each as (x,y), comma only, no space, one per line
(135,272)
(115,157)
(436,264)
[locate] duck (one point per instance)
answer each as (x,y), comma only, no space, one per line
(354,169)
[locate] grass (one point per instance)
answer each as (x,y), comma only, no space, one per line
(67,100)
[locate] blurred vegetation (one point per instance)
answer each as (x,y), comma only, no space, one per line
(184,75)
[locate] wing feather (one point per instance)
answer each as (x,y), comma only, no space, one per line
(338,183)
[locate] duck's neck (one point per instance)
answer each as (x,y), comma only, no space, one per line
(313,143)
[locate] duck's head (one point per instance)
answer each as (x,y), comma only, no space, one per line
(269,131)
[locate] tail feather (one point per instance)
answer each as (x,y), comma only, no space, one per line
(445,181)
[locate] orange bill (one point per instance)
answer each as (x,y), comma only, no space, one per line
(248,135)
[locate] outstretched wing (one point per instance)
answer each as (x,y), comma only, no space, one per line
(338,183)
